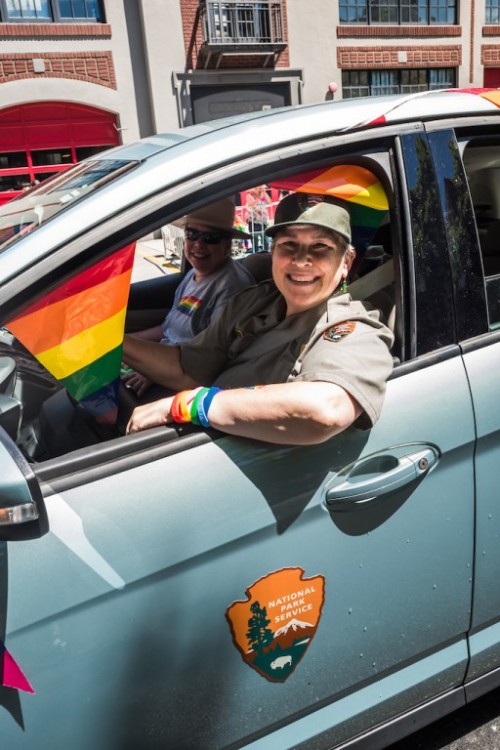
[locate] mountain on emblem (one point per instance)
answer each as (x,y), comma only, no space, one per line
(275,625)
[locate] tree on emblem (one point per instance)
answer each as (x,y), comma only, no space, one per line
(258,634)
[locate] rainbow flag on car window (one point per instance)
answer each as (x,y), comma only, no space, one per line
(76,333)
(360,188)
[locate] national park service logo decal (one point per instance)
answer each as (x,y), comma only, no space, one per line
(339,331)
(273,627)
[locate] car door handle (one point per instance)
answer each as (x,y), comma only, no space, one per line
(379,475)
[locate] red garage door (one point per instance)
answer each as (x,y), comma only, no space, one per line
(38,140)
(492,77)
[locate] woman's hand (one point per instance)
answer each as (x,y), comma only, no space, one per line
(150,415)
(137,382)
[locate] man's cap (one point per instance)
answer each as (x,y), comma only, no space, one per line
(316,210)
(218,215)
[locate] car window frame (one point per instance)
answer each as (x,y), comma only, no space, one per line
(103,458)
(468,280)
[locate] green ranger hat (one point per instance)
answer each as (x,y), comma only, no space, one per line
(317,210)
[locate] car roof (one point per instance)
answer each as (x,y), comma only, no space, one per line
(346,115)
(199,148)
(349,114)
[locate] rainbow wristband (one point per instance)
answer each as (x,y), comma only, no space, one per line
(175,408)
(180,409)
(199,395)
(192,406)
(203,405)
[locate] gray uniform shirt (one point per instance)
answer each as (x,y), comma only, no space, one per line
(197,303)
(253,343)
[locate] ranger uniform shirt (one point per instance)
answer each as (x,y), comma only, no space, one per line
(339,341)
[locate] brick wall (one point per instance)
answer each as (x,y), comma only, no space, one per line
(490,55)
(92,67)
(13,31)
(193,41)
(387,57)
(385,32)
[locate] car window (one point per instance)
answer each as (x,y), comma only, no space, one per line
(31,209)
(68,405)
(482,163)
(158,253)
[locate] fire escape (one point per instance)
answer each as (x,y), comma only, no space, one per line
(232,27)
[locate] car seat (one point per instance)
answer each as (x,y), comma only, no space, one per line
(259,265)
(490,247)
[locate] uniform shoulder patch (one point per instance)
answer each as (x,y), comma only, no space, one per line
(339,331)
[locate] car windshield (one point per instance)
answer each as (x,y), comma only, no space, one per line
(23,214)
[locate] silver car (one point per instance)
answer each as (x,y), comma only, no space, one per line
(181,588)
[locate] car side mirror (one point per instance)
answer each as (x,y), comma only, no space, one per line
(22,509)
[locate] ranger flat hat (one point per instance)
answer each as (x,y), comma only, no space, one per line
(218,215)
(317,210)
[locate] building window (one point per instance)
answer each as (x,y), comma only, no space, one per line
(399,11)
(380,82)
(384,11)
(492,11)
(51,10)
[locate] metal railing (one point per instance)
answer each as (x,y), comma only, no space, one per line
(233,22)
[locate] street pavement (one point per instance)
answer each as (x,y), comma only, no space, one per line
(475,727)
(150,261)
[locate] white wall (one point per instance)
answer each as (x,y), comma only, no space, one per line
(164,53)
(312,45)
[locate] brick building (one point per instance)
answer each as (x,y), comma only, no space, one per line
(78,76)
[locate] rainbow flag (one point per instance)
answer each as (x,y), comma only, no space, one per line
(189,304)
(360,188)
(12,674)
(76,333)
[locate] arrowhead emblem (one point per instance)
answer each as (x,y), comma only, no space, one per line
(274,626)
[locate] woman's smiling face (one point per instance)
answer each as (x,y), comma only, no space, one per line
(308,265)
(206,258)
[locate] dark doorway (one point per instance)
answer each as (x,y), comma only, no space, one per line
(212,102)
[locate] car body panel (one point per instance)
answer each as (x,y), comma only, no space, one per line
(482,367)
(135,593)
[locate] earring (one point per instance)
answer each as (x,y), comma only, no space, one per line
(343,287)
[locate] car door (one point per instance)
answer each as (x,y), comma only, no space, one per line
(479,148)
(200,590)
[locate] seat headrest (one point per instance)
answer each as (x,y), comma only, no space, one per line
(259,265)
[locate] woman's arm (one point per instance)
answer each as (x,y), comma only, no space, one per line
(302,413)
(158,362)
(149,334)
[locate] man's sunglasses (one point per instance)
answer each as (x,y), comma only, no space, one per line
(209,238)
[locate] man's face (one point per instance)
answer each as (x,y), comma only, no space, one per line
(206,248)
(308,266)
